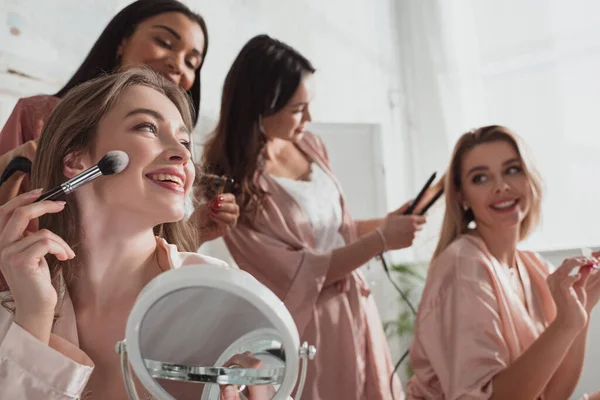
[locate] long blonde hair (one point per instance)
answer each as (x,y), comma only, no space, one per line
(456,220)
(71,128)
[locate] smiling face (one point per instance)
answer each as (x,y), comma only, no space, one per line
(495,186)
(289,123)
(149,128)
(169,43)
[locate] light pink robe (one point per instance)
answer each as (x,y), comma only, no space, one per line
(26,121)
(341,319)
(471,323)
(31,370)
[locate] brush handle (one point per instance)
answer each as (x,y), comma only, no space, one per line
(69,186)
(51,195)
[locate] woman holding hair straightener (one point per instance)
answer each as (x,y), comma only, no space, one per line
(295,233)
(495,322)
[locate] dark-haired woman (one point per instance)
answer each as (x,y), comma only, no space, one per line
(164,35)
(295,234)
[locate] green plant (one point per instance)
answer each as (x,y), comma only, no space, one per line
(410,281)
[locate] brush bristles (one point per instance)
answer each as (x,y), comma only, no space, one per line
(113,162)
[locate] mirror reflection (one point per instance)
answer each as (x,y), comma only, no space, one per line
(192,339)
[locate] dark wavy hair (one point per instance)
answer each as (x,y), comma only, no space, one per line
(262,80)
(102,58)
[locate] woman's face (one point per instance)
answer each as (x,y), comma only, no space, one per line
(153,187)
(495,186)
(289,123)
(169,43)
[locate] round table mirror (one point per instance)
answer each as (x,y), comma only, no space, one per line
(189,326)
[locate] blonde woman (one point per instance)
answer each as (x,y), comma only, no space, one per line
(493,321)
(72,284)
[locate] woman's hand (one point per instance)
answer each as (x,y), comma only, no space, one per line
(256,392)
(218,216)
(569,292)
(399,230)
(23,263)
(592,286)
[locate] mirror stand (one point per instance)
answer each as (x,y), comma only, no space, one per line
(306,353)
(121,349)
(209,374)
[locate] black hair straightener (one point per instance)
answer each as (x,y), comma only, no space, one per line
(426,197)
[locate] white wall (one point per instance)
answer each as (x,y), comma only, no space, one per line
(530,65)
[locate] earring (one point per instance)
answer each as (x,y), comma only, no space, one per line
(261,127)
(465,207)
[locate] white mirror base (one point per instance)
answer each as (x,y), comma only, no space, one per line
(305,353)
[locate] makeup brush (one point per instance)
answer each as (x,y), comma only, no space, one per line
(112,163)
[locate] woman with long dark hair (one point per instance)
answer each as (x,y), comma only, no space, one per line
(295,233)
(164,35)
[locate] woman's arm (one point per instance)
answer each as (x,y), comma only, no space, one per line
(366,226)
(567,375)
(346,259)
(544,361)
(297,274)
(11,134)
(397,231)
(33,362)
(563,382)
(26,121)
(529,375)
(32,369)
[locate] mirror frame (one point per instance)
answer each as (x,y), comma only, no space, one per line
(237,283)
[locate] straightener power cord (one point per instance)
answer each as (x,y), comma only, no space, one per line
(412,308)
(438,191)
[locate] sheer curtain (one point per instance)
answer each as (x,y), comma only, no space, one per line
(531,65)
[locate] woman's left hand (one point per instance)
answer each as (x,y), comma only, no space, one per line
(257,392)
(218,216)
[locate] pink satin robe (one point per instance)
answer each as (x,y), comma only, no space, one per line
(341,319)
(26,121)
(31,370)
(472,323)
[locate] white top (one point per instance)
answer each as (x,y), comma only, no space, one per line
(319,198)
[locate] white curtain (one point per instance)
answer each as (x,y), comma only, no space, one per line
(531,65)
